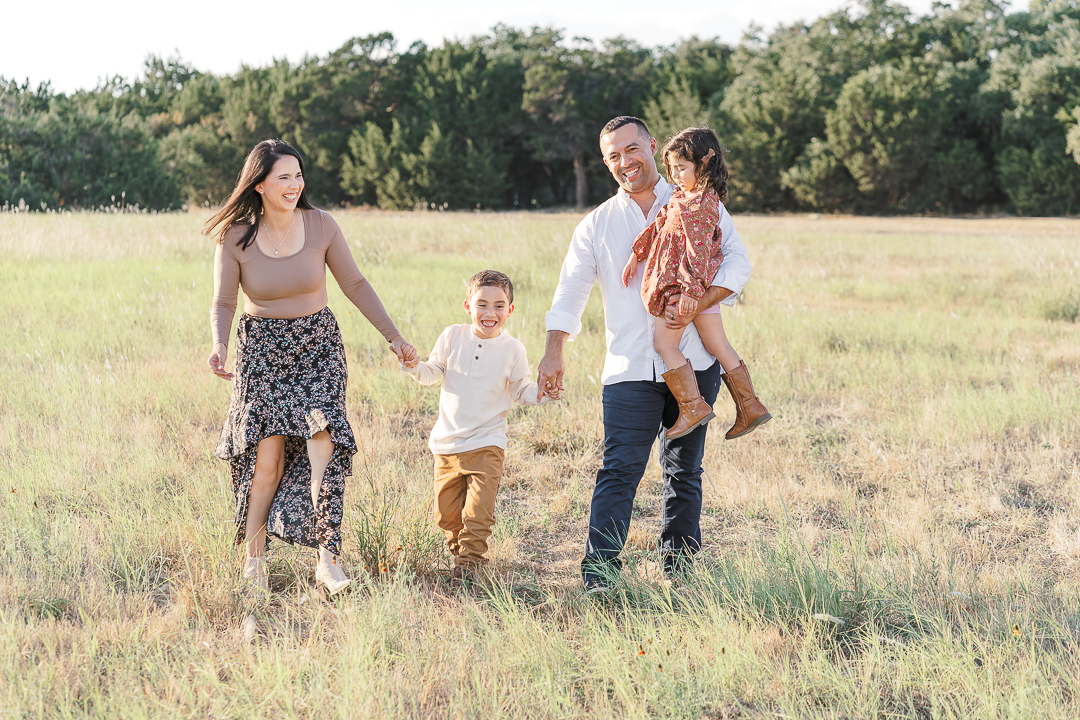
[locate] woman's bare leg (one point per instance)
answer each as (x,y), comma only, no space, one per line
(269,465)
(711,329)
(320,450)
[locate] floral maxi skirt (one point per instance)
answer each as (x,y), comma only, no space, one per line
(290,380)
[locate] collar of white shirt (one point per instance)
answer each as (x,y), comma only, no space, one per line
(662,192)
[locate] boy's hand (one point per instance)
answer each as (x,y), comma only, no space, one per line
(554,393)
(411,363)
(629,271)
(687,305)
(405,352)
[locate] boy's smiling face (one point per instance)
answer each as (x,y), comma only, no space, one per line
(489,309)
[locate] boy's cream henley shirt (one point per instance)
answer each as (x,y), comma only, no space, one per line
(480,379)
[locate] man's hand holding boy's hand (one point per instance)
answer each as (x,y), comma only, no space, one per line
(554,393)
(550,374)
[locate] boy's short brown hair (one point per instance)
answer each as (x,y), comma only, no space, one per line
(491,278)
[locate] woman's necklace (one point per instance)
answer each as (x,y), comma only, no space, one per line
(278,245)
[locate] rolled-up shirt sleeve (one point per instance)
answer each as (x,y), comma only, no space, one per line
(575,283)
(734,271)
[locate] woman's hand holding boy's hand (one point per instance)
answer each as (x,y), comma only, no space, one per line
(406,353)
(554,393)
(629,271)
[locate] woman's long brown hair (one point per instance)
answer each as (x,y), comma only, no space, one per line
(244,206)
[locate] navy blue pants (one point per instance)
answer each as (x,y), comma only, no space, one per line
(635,413)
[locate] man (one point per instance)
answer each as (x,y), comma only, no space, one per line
(637,403)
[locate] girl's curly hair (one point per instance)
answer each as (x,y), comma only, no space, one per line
(694,144)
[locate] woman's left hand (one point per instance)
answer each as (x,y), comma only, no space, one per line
(217,359)
(405,352)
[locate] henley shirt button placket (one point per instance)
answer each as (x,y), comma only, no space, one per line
(476,360)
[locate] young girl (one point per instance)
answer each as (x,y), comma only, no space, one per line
(681,250)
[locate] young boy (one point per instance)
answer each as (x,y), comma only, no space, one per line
(483,369)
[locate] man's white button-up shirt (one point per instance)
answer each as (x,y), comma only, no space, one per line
(600,247)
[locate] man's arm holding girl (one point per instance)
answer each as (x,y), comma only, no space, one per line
(730,279)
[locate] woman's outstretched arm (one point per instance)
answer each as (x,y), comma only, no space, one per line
(360,292)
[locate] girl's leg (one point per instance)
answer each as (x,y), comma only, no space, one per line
(269,465)
(750,413)
(682,382)
(711,329)
(320,449)
(666,342)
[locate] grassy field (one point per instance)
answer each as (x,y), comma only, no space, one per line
(902,541)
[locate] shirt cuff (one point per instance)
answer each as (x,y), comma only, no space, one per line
(563,322)
(730,300)
(728,283)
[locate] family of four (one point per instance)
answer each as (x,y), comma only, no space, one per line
(665,257)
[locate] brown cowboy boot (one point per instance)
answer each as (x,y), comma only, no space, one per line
(749,412)
(693,410)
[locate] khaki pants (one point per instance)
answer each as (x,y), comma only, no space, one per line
(465,489)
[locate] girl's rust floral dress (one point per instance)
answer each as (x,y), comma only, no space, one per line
(681,249)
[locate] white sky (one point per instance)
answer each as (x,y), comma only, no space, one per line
(74,44)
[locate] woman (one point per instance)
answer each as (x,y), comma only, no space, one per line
(286,438)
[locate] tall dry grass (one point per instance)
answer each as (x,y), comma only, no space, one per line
(903,540)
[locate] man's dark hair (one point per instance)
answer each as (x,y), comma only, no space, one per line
(491,278)
(616,123)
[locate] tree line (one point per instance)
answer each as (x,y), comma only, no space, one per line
(874,110)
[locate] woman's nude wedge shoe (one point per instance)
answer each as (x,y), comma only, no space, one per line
(325,575)
(257,584)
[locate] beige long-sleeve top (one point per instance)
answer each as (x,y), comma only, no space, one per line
(481,377)
(293,286)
